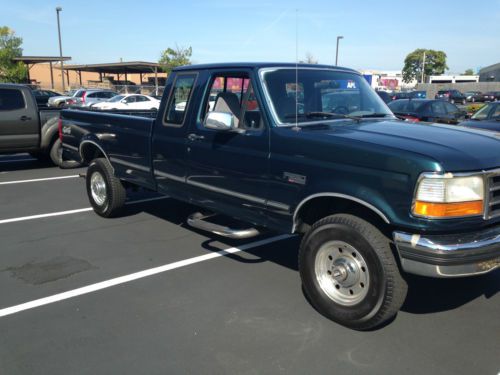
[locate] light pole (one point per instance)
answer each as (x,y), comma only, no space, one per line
(337,51)
(59,9)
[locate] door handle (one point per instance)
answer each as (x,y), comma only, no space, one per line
(25,118)
(195,137)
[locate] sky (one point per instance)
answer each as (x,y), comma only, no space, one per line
(377,34)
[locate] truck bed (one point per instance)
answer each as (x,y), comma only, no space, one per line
(131,130)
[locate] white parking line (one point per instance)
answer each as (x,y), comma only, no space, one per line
(38,179)
(134,276)
(69,212)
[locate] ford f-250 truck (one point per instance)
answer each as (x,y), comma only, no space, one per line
(312,150)
(26,128)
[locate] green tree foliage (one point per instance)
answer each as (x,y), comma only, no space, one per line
(10,47)
(435,64)
(468,72)
(174,57)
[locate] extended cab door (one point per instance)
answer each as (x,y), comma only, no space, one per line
(19,124)
(228,169)
(169,142)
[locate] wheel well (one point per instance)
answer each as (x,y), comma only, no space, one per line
(320,207)
(90,151)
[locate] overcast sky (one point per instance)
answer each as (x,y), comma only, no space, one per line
(377,34)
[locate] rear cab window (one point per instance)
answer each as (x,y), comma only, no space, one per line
(11,99)
(179,99)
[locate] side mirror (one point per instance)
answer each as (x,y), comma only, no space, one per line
(220,121)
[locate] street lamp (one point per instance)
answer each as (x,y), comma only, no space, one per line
(59,9)
(337,51)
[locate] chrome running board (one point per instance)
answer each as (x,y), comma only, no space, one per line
(197,220)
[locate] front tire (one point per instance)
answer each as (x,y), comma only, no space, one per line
(349,273)
(106,192)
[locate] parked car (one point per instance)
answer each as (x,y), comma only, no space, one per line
(416,110)
(453,96)
(474,96)
(372,197)
(60,101)
(42,97)
(26,128)
(129,101)
(91,97)
(409,95)
(488,118)
(385,96)
(491,96)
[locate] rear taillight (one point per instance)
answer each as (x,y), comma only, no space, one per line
(411,118)
(59,128)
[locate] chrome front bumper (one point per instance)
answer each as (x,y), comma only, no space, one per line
(451,255)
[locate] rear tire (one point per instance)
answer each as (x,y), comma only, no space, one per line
(349,272)
(106,192)
(56,156)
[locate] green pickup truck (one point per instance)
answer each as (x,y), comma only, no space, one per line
(312,150)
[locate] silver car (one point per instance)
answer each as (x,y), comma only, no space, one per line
(60,101)
(90,97)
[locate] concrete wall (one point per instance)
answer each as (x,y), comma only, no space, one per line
(433,88)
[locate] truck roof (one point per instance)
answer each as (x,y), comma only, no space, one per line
(259,65)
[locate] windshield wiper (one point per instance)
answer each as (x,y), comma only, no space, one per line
(322,115)
(373,115)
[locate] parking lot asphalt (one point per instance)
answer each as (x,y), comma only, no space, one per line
(144,293)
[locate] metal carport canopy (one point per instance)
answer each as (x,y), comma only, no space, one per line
(27,60)
(139,67)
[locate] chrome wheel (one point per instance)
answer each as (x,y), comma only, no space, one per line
(342,273)
(98,188)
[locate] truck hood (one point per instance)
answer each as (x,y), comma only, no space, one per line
(455,148)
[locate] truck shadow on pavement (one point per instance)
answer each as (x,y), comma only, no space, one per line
(425,295)
(428,295)
(23,165)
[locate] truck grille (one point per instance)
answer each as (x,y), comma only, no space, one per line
(494,197)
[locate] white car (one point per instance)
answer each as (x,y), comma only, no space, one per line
(129,101)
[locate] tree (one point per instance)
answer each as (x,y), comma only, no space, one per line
(10,47)
(174,57)
(435,64)
(468,72)
(310,59)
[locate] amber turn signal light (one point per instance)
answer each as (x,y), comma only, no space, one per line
(456,209)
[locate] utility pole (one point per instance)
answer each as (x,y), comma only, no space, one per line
(59,9)
(423,69)
(337,50)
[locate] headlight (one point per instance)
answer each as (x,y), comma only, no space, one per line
(447,196)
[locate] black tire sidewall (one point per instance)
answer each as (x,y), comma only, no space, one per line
(96,166)
(346,315)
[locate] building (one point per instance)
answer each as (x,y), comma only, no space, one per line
(490,73)
(453,79)
(386,80)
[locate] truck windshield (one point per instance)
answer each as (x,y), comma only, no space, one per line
(311,95)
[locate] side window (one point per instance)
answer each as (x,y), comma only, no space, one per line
(450,108)
(438,108)
(141,98)
(108,95)
(92,95)
(496,113)
(11,99)
(179,99)
(252,118)
(234,94)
